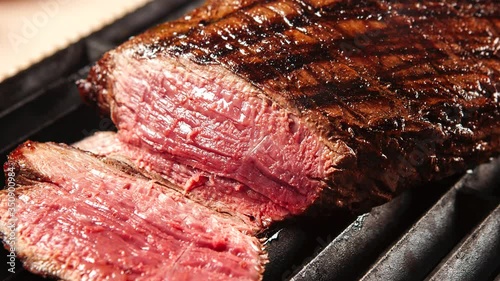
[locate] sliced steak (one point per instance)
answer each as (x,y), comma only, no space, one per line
(338,104)
(217,193)
(83,218)
(101,143)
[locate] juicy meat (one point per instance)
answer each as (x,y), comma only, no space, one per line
(80,218)
(221,194)
(100,143)
(222,131)
(339,104)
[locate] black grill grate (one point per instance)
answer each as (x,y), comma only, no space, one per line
(445,231)
(457,237)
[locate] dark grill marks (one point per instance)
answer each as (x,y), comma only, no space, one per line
(258,44)
(463,73)
(294,18)
(282,49)
(468,42)
(421,53)
(326,37)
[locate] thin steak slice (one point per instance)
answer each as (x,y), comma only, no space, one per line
(217,193)
(338,104)
(80,218)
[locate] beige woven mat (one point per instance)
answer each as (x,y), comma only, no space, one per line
(31,30)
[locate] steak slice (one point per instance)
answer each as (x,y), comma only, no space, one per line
(339,104)
(79,218)
(217,193)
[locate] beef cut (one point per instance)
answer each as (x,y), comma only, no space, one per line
(217,193)
(304,104)
(79,217)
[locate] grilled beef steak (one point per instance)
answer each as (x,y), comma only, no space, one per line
(338,104)
(83,218)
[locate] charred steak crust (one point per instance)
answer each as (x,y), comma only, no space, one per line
(409,90)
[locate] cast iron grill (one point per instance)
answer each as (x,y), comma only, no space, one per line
(448,230)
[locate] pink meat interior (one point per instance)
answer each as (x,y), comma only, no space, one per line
(87,220)
(209,120)
(217,193)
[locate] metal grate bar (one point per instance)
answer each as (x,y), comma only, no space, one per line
(357,244)
(477,257)
(435,234)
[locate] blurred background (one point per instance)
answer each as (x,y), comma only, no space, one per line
(31,30)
